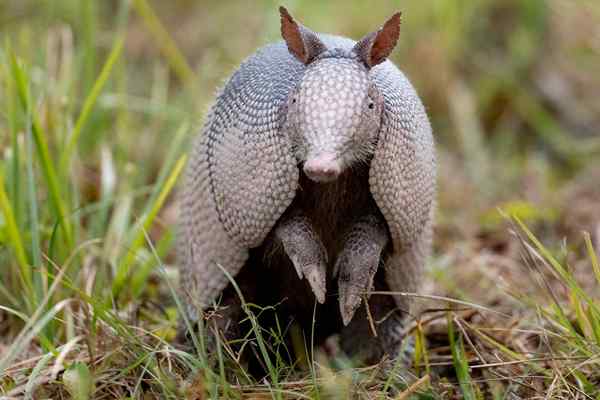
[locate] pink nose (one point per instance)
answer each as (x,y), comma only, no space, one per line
(322,168)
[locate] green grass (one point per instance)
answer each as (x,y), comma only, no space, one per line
(97,109)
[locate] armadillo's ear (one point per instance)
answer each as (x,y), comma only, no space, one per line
(301,41)
(375,47)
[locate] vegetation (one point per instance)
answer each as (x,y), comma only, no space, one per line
(98,102)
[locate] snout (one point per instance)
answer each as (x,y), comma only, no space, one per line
(322,168)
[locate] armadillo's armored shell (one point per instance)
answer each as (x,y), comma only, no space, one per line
(242,174)
(402,177)
(402,173)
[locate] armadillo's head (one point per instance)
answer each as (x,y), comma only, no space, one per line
(334,116)
(334,113)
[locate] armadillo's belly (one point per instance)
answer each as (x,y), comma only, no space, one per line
(332,208)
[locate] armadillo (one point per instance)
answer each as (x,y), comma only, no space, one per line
(318,153)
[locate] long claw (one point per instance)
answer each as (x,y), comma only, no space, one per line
(358,262)
(303,246)
(315,275)
(349,303)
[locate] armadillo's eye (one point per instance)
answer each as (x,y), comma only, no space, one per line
(371,105)
(293,99)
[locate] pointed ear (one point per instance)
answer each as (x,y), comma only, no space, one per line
(375,47)
(301,41)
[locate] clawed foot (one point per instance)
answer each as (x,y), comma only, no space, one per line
(304,248)
(357,263)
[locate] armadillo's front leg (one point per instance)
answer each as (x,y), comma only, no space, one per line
(401,273)
(358,261)
(306,251)
(388,312)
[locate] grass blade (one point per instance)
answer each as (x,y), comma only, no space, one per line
(20,344)
(15,238)
(36,251)
(592,254)
(170,159)
(421,356)
(35,373)
(125,265)
(567,278)
(461,365)
(43,151)
(12,118)
(139,278)
(89,103)
(167,45)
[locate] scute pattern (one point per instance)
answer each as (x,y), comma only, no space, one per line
(325,116)
(252,170)
(403,168)
(241,177)
(402,179)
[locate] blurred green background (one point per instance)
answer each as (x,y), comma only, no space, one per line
(502,80)
(100,99)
